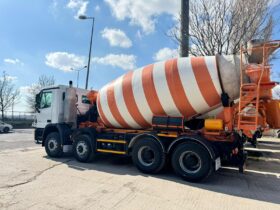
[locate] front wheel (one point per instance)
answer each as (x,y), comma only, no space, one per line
(6,129)
(192,162)
(82,148)
(53,145)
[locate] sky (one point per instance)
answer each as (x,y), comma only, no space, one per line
(46,37)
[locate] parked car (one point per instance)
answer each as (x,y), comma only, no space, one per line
(272,133)
(278,133)
(4,127)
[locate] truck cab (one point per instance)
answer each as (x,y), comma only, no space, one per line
(50,107)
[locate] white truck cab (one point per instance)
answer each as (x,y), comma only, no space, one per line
(50,106)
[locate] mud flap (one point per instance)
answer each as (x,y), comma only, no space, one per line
(217,164)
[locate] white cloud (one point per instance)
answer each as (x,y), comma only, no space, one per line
(142,13)
(53,8)
(9,78)
(13,61)
(97,8)
(124,61)
(139,35)
(116,37)
(24,89)
(64,61)
(78,5)
(165,54)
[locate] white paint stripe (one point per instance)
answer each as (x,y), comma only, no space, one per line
(213,71)
(98,110)
(105,107)
(190,85)
(139,95)
(163,91)
(121,104)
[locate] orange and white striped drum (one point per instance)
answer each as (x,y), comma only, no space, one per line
(178,87)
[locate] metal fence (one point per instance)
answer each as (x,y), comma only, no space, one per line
(18,115)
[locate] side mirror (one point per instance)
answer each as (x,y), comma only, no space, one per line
(37,102)
(37,109)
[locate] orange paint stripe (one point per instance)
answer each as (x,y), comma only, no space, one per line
(130,101)
(177,90)
(101,113)
(113,106)
(150,91)
(204,81)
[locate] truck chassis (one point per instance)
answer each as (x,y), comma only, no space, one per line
(192,156)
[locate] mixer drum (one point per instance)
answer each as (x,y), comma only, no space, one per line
(179,87)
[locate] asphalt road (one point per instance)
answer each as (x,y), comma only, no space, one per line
(16,139)
(31,180)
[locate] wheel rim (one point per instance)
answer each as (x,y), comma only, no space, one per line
(190,162)
(52,145)
(81,148)
(146,156)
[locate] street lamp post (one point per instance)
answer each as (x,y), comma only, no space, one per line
(78,70)
(83,17)
(185,10)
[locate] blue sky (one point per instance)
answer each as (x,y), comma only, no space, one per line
(45,37)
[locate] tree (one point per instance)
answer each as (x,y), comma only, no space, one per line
(9,95)
(43,81)
(221,26)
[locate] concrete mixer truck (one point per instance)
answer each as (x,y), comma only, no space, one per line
(194,112)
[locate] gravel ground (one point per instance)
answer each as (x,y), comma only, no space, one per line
(31,180)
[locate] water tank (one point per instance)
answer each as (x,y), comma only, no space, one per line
(70,107)
(186,87)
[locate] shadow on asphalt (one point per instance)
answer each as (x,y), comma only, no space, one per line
(251,185)
(10,132)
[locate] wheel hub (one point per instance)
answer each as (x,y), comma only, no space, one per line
(82,148)
(146,156)
(190,162)
(52,145)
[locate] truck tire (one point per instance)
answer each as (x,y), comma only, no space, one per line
(192,162)
(53,145)
(82,148)
(148,156)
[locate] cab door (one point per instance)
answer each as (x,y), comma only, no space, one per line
(44,108)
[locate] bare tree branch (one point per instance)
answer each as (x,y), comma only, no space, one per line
(43,81)
(9,95)
(221,26)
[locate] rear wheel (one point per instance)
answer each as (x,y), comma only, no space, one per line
(53,145)
(148,155)
(192,162)
(82,148)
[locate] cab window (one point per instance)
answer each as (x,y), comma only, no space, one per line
(46,100)
(85,100)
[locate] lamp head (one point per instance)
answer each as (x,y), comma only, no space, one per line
(82,17)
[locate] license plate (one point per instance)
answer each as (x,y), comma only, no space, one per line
(217,163)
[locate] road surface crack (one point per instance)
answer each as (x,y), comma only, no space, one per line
(34,177)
